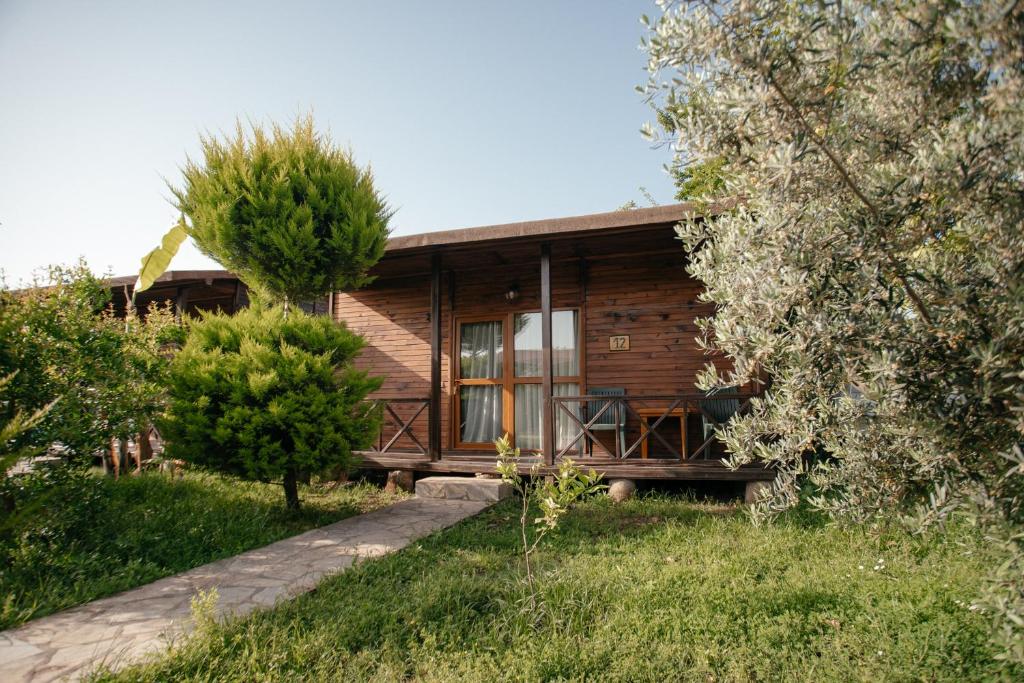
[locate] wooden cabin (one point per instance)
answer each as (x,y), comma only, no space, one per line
(187,291)
(192,291)
(576,336)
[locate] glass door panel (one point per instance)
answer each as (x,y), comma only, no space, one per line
(480,413)
(480,352)
(528,349)
(565,356)
(529,406)
(529,413)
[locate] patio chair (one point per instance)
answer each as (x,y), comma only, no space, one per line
(612,419)
(721,409)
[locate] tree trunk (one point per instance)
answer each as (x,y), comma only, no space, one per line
(145,447)
(291,489)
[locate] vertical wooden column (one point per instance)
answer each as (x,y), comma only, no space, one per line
(434,446)
(547,415)
(181,303)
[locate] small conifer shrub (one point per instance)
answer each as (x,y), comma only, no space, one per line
(267,396)
(287,211)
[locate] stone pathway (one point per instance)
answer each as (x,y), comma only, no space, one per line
(122,628)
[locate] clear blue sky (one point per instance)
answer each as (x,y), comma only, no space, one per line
(470,113)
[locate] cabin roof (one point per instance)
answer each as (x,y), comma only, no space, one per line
(176,277)
(595,222)
(607,222)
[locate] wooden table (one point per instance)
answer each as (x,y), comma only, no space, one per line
(647,413)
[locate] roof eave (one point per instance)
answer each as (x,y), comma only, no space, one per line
(564,227)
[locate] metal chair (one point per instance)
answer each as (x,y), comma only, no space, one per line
(612,419)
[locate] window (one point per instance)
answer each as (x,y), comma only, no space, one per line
(494,399)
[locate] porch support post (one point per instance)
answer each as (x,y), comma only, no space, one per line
(547,418)
(181,303)
(434,441)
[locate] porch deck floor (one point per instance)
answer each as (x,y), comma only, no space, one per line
(471,462)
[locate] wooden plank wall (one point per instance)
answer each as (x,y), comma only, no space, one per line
(394,318)
(654,302)
(649,298)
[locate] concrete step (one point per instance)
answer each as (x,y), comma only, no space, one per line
(463,488)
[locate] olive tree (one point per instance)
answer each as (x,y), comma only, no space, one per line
(871,272)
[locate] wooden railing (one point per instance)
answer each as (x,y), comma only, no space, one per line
(634,423)
(401,414)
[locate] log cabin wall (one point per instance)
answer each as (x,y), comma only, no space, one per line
(651,299)
(393,316)
(654,302)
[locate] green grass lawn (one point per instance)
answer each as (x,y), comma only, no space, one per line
(653,590)
(98,536)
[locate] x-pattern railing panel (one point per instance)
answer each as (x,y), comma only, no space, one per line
(586,428)
(744,405)
(404,425)
(668,406)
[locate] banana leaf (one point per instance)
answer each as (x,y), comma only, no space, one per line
(155,263)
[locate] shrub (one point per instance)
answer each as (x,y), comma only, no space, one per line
(59,340)
(288,212)
(267,396)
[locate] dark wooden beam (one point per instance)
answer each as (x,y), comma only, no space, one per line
(181,303)
(434,442)
(236,300)
(547,422)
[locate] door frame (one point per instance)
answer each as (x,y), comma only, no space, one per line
(508,380)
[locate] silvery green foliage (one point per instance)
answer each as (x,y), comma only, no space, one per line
(873,264)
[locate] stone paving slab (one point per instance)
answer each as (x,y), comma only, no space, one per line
(463,488)
(122,628)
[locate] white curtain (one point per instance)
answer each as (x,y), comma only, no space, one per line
(481,413)
(530,410)
(480,357)
(481,352)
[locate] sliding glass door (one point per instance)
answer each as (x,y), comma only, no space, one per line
(499,392)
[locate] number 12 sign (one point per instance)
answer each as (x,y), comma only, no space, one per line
(618,343)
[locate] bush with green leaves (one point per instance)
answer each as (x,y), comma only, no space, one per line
(15,423)
(873,269)
(269,396)
(291,214)
(61,345)
(554,496)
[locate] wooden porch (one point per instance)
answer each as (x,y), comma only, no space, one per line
(636,437)
(575,336)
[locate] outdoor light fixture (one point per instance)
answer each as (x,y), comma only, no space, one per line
(512,294)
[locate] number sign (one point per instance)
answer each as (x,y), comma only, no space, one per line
(618,343)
